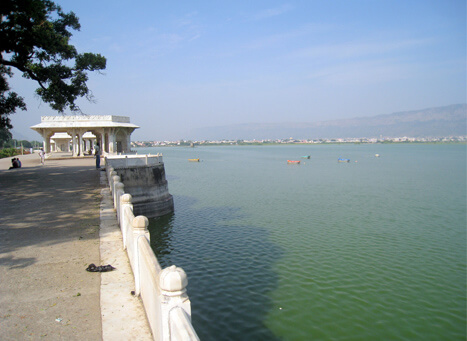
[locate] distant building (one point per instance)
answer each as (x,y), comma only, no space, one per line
(80,133)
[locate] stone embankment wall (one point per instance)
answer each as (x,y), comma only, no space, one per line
(162,291)
(144,179)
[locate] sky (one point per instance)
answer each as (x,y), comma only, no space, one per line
(174,66)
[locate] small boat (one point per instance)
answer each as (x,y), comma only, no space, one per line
(193,160)
(295,162)
(306,157)
(343,160)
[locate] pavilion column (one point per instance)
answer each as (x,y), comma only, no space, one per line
(127,144)
(74,144)
(102,143)
(80,143)
(46,134)
(71,145)
(105,143)
(99,138)
(112,147)
(96,140)
(73,150)
(46,145)
(68,142)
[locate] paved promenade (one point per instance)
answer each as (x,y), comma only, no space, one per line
(50,220)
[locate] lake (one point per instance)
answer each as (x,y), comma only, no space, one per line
(370,249)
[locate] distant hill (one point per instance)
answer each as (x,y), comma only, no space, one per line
(18,136)
(433,122)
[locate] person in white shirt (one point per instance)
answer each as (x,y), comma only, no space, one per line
(42,156)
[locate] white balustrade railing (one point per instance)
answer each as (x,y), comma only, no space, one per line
(121,161)
(162,291)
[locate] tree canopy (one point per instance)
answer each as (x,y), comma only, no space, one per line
(35,39)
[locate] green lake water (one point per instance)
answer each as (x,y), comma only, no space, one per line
(373,249)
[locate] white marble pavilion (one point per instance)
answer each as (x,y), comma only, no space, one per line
(80,133)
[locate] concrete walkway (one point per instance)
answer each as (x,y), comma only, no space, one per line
(123,315)
(50,220)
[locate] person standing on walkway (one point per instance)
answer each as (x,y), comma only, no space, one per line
(42,156)
(97,152)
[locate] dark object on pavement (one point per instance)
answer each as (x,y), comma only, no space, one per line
(100,268)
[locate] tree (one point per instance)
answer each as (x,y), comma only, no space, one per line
(5,135)
(9,101)
(34,39)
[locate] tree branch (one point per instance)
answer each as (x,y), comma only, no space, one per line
(22,68)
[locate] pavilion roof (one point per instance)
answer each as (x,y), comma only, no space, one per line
(84,121)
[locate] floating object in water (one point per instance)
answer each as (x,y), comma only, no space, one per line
(193,160)
(376,155)
(294,162)
(100,268)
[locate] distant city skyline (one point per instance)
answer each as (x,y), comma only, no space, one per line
(175,67)
(402,139)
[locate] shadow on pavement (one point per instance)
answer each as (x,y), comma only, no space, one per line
(46,205)
(49,233)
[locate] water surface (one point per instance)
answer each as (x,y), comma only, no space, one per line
(373,249)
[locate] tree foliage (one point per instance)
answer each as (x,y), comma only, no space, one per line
(35,39)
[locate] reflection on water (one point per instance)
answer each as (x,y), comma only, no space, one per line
(160,229)
(229,268)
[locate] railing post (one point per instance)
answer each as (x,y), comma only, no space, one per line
(108,170)
(119,190)
(111,176)
(140,230)
(172,282)
(115,179)
(125,201)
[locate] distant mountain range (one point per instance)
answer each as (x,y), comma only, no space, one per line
(433,122)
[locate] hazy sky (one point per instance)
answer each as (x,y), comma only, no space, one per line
(182,64)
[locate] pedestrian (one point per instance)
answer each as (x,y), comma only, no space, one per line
(42,156)
(97,153)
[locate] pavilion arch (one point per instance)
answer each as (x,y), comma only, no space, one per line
(121,139)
